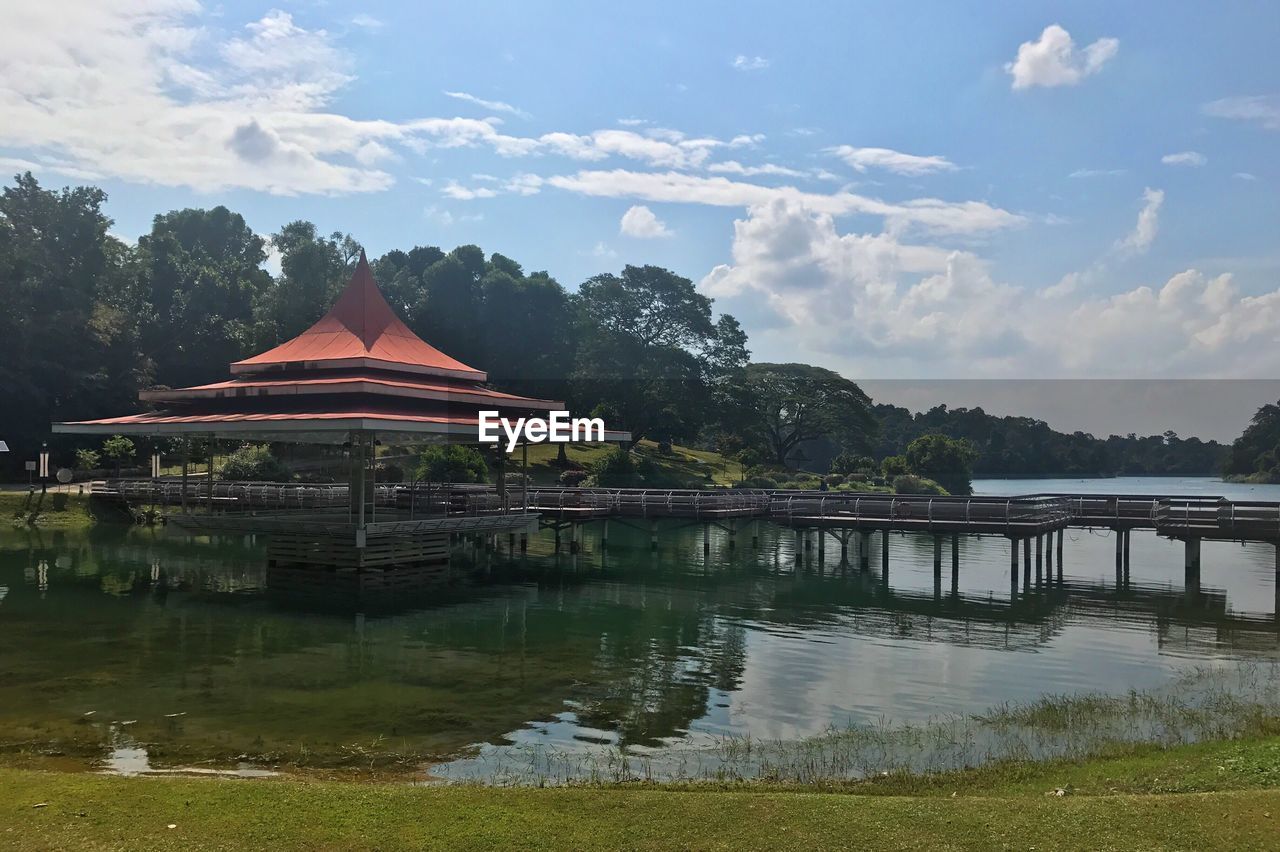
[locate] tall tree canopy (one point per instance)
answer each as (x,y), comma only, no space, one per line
(650,355)
(313,270)
(794,403)
(69,319)
(1256,453)
(201,272)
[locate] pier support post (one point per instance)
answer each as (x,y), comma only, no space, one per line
(1026,562)
(1039,558)
(706,538)
(884,551)
(1013,568)
(844,548)
(1061,533)
(799,544)
(1048,555)
(1119,534)
(1192,557)
(524,542)
(733,534)
(573,537)
(955,563)
(822,545)
(755,534)
(864,551)
(604,535)
(937,555)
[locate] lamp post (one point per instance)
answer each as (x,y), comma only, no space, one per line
(44,467)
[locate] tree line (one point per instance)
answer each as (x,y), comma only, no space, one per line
(89,320)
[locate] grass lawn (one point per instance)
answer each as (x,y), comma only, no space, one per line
(54,510)
(691,468)
(1110,805)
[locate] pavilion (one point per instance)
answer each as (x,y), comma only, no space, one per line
(357,374)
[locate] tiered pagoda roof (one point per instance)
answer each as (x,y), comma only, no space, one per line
(358,369)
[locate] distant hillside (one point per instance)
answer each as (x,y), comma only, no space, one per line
(1023,446)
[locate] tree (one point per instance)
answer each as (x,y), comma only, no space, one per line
(61,276)
(945,460)
(255,463)
(118,449)
(313,271)
(202,275)
(1256,452)
(452,463)
(615,469)
(649,351)
(795,403)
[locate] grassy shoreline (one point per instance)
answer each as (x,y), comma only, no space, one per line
(1209,795)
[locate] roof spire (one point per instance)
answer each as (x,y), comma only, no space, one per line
(361,329)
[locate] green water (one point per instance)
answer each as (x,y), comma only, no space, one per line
(128,642)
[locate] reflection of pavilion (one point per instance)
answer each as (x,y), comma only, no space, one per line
(355,377)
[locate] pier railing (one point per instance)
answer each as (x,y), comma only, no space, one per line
(976,514)
(1199,517)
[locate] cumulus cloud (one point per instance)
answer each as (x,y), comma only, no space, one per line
(641,222)
(1184,158)
(1264,109)
(1053,60)
(494,106)
(749,63)
(861,159)
(876,304)
(1144,230)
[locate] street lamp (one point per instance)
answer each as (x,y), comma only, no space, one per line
(44,467)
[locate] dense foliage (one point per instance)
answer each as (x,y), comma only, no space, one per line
(1255,455)
(451,463)
(1023,446)
(255,463)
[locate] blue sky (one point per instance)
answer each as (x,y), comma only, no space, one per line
(897,191)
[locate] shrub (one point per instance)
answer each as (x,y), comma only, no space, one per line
(254,463)
(908,484)
(452,463)
(833,479)
(615,469)
(572,478)
(86,459)
(893,466)
(760,481)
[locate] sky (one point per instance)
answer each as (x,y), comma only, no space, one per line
(900,192)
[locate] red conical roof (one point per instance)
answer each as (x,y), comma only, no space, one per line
(360,330)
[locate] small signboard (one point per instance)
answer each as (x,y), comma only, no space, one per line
(30,466)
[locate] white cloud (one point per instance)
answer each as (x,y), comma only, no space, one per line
(1264,109)
(367,22)
(861,159)
(641,222)
(873,304)
(1144,230)
(733,167)
(1053,60)
(1088,173)
(495,106)
(931,214)
(633,122)
(1184,158)
(1245,176)
(749,63)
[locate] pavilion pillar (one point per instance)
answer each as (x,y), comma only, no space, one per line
(186,463)
(501,465)
(209,475)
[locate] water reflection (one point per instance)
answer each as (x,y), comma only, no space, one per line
(627,646)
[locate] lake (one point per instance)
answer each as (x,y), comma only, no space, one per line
(138,647)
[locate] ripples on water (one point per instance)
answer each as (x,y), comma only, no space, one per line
(649,652)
